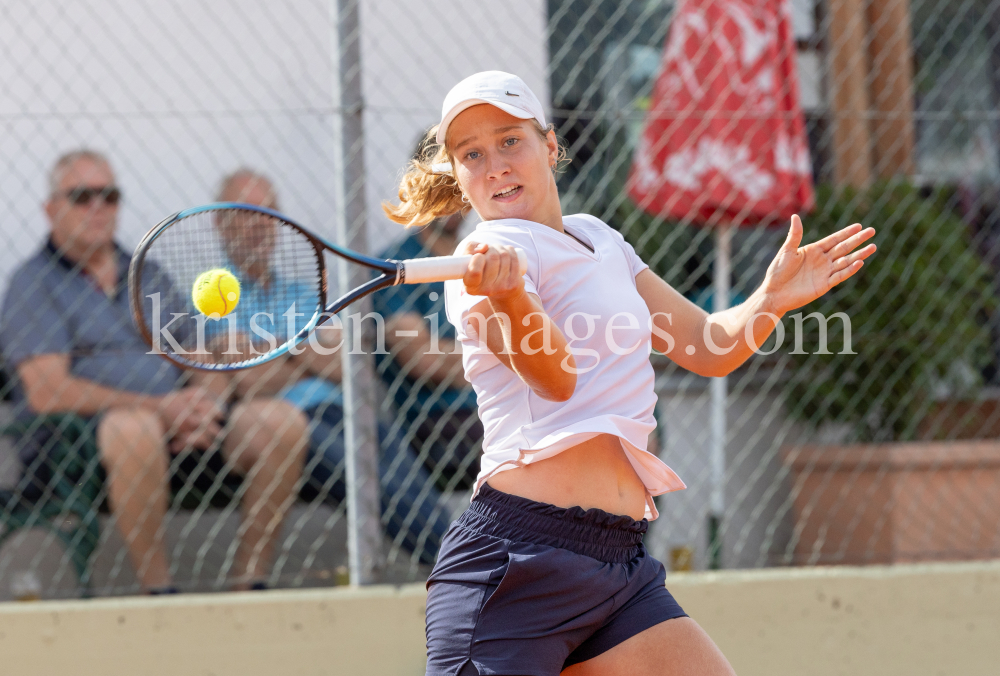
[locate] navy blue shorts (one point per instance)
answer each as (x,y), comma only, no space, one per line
(526,588)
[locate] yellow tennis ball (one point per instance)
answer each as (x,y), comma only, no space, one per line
(216,292)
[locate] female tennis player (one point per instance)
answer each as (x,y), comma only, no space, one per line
(545,572)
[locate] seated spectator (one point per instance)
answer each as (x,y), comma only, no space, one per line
(423,370)
(413,512)
(66,328)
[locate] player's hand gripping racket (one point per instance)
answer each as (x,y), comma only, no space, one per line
(279,295)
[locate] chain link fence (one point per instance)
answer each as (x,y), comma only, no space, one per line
(877,449)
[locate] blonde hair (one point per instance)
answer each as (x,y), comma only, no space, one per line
(425,196)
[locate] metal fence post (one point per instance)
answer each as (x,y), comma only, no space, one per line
(360,426)
(719,389)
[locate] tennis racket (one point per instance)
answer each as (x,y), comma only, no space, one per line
(282,274)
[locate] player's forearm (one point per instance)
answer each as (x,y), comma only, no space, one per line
(724,335)
(537,349)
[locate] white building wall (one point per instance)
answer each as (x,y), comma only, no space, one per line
(180,93)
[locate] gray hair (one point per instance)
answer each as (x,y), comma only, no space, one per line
(67,160)
(243,173)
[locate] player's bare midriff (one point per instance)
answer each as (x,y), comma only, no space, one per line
(595,473)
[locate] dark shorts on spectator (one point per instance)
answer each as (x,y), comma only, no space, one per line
(63,448)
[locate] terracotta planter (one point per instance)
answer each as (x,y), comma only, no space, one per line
(962,419)
(885,503)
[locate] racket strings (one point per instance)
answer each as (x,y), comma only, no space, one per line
(280,276)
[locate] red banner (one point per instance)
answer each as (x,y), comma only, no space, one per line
(725,139)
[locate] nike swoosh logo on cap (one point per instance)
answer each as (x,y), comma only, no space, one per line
(509,94)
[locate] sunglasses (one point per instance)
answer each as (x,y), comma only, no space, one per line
(84,197)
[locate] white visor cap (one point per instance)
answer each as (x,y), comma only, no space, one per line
(503,90)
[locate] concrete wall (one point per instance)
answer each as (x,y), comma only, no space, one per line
(931,619)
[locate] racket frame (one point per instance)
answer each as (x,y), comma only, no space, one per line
(392,274)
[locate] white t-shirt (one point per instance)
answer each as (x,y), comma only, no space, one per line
(592,298)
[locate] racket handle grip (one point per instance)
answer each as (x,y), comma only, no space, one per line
(443,268)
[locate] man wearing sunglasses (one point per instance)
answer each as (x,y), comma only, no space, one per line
(67,330)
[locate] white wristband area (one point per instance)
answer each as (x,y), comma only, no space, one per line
(443,268)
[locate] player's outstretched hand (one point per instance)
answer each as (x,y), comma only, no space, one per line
(800,274)
(494,271)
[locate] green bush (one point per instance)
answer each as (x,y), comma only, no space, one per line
(681,254)
(917,313)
